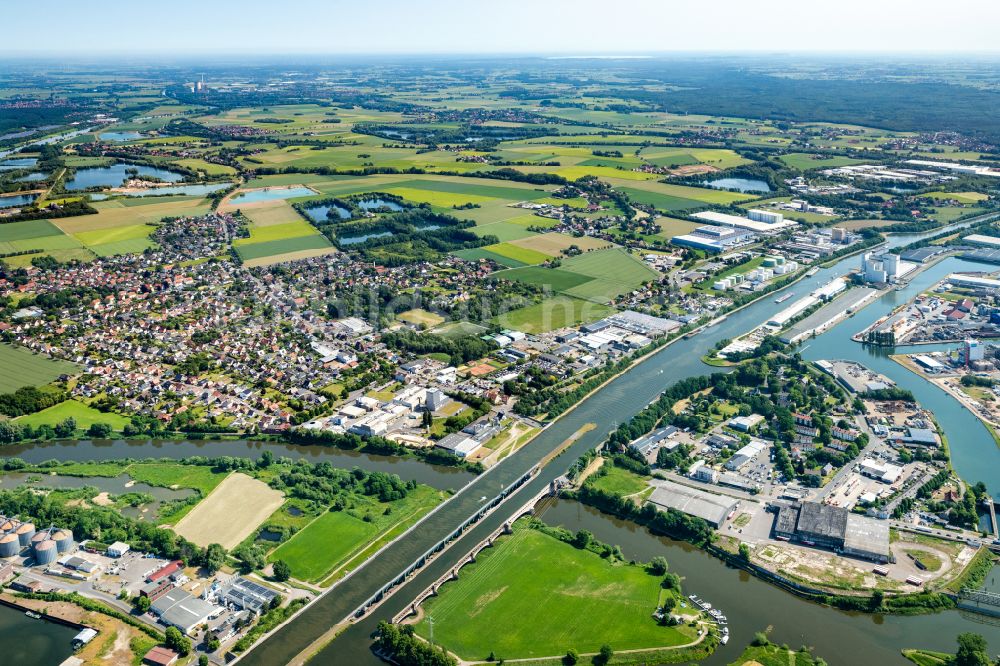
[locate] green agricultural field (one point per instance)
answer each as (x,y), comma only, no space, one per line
(282,246)
(525,256)
(671,226)
(339,540)
(117,240)
(555,278)
(504,231)
(477,253)
(21,367)
(85,416)
(553,313)
(705,195)
(960,197)
(275,232)
(443,199)
(34,235)
(532,595)
(209,168)
(806,161)
(614,272)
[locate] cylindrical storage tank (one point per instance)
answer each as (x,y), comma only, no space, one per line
(63,539)
(9,545)
(39,537)
(25,532)
(45,552)
(6,526)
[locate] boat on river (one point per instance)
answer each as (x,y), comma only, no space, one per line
(782,299)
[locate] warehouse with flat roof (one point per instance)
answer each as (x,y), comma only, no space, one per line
(712,508)
(834,527)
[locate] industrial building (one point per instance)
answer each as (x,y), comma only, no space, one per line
(973,281)
(470,438)
(713,509)
(833,527)
(773,223)
(713,238)
(177,608)
(649,446)
(746,454)
(244,594)
(982,239)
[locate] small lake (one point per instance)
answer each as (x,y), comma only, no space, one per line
(33,642)
(354,240)
(321,213)
(18,163)
(271,194)
(376,204)
(33,177)
(116,485)
(738,184)
(121,136)
(115,175)
(396,133)
(17,200)
(190,190)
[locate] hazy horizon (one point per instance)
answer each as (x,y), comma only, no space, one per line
(519,27)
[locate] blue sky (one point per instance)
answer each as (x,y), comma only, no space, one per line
(183,27)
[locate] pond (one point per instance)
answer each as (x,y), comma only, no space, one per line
(18,163)
(321,213)
(354,240)
(117,485)
(33,642)
(16,200)
(738,184)
(33,177)
(115,175)
(190,190)
(121,136)
(272,194)
(375,204)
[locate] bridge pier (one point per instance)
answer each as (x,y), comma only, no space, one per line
(993,519)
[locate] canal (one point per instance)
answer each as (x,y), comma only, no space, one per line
(32,642)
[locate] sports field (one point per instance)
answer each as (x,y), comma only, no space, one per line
(532,595)
(420,317)
(84,415)
(22,367)
(212,520)
(338,541)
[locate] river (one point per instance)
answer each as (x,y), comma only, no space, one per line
(436,476)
